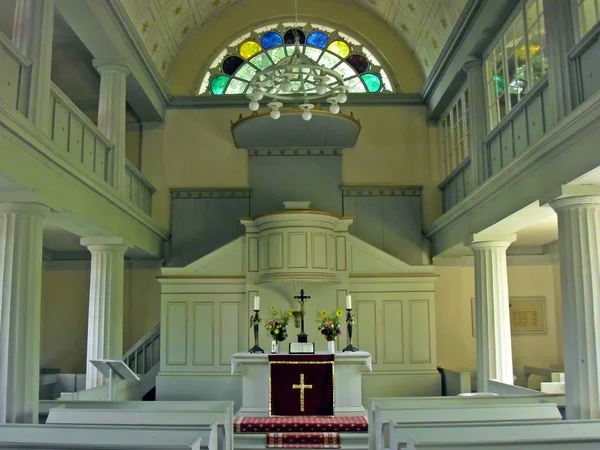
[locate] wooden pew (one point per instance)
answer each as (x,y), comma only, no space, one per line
(380,410)
(571,435)
(166,413)
(399,432)
(59,437)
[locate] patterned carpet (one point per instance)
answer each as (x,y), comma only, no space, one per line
(296,424)
(303,440)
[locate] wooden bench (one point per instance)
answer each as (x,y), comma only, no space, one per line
(380,410)
(166,413)
(58,437)
(571,435)
(399,432)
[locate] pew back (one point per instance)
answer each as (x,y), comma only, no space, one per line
(378,408)
(149,413)
(399,432)
(580,435)
(97,437)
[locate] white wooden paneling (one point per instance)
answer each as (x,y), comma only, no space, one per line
(393,341)
(263,252)
(9,78)
(297,250)
(176,334)
(340,253)
(60,128)
(319,250)
(252,254)
(331,252)
(76,139)
(229,331)
(203,342)
(101,160)
(275,251)
(420,331)
(89,148)
(366,330)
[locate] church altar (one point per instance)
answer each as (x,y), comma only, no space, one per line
(348,366)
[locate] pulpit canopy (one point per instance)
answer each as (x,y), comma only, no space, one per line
(323,131)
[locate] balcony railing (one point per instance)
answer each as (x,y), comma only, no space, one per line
(13,68)
(139,190)
(78,137)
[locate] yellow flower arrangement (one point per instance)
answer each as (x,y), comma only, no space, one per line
(323,312)
(339,312)
(329,325)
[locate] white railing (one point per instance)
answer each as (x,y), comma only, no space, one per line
(145,354)
(13,68)
(78,137)
(139,190)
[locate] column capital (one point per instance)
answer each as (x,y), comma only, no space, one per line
(32,209)
(572,195)
(472,64)
(106,243)
(489,240)
(111,65)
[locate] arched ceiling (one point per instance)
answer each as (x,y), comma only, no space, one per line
(163,25)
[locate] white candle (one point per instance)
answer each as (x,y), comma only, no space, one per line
(348,301)
(256,303)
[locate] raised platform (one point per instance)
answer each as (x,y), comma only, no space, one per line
(301,432)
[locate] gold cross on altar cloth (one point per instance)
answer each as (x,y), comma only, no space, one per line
(302,387)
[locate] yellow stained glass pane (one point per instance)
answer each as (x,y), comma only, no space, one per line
(340,48)
(249,49)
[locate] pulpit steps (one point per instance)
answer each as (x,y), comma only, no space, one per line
(301,432)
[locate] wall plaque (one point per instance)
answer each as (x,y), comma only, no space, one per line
(527,315)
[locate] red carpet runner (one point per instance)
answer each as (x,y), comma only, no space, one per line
(295,424)
(303,440)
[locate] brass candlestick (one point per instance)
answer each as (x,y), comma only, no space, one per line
(349,325)
(256,321)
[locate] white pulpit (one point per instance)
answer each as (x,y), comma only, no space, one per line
(348,367)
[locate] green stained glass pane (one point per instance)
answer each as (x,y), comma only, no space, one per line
(372,81)
(289,49)
(276,54)
(329,60)
(236,87)
(246,72)
(295,85)
(218,83)
(345,70)
(355,85)
(261,61)
(313,53)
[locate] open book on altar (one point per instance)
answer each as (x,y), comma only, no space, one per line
(302,348)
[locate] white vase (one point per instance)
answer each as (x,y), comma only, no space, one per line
(275,349)
(331,347)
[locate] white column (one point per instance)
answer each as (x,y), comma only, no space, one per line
(578,242)
(33,30)
(477,114)
(111,115)
(105,316)
(21,233)
(492,314)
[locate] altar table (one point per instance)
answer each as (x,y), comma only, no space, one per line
(254,369)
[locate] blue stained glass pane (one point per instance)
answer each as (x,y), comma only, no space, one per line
(271,39)
(317,39)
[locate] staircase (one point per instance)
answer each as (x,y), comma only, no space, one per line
(143,359)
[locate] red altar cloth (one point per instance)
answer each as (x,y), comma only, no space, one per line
(301,385)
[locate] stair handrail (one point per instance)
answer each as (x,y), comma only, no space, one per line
(150,336)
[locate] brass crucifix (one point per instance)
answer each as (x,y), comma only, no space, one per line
(302,387)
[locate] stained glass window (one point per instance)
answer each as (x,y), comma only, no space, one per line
(232,71)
